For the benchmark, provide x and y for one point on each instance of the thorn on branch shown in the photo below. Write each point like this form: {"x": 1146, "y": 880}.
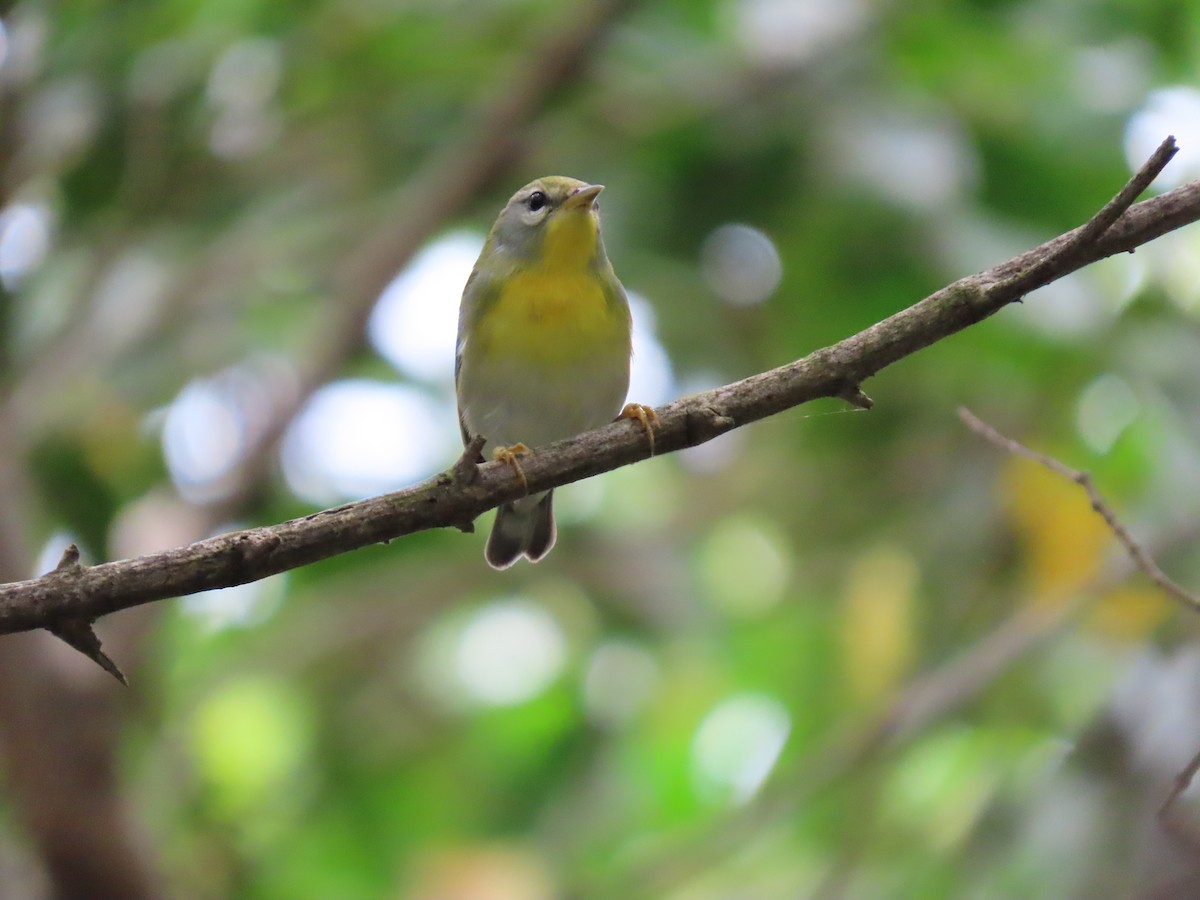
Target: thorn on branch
{"x": 70, "y": 559}
{"x": 854, "y": 395}
{"x": 77, "y": 632}
{"x": 1140, "y": 556}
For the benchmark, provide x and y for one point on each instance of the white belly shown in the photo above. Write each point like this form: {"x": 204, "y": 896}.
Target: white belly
{"x": 516, "y": 403}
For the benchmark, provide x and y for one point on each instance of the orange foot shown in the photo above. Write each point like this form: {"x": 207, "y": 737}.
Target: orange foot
{"x": 511, "y": 455}
{"x": 643, "y": 414}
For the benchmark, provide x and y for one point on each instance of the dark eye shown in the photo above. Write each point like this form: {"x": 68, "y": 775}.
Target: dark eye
{"x": 536, "y": 201}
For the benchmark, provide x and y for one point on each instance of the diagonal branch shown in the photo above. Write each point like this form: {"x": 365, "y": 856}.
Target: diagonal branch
{"x": 1166, "y": 810}
{"x": 455, "y": 500}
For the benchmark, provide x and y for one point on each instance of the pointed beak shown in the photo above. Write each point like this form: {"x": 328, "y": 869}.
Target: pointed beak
{"x": 584, "y": 197}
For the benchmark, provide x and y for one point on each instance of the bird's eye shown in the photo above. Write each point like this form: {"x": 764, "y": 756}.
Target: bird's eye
{"x": 536, "y": 201}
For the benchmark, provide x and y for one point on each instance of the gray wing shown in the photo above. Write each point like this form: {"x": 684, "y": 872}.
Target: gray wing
{"x": 479, "y": 295}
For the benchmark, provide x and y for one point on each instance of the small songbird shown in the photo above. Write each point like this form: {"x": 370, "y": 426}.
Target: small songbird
{"x": 543, "y": 345}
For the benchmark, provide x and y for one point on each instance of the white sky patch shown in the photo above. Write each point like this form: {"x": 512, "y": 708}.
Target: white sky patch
{"x": 357, "y": 438}
{"x": 1174, "y": 262}
{"x": 52, "y": 552}
{"x": 415, "y": 323}
{"x": 203, "y": 438}
{"x": 651, "y": 380}
{"x": 740, "y": 264}
{"x": 791, "y": 31}
{"x": 25, "y": 231}
{"x": 1066, "y": 308}
{"x": 920, "y": 161}
{"x": 1109, "y": 78}
{"x": 1169, "y": 110}
{"x": 210, "y": 424}
{"x": 236, "y": 607}
{"x": 509, "y": 652}
{"x": 738, "y": 743}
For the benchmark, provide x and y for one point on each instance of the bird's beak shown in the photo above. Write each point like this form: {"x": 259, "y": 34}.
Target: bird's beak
{"x": 584, "y": 197}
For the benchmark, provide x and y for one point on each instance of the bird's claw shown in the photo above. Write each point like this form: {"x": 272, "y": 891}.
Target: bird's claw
{"x": 645, "y": 415}
{"x": 511, "y": 455}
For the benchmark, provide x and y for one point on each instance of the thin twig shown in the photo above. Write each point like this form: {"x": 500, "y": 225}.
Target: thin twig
{"x": 1142, "y": 179}
{"x": 1183, "y": 781}
{"x": 1137, "y": 552}
{"x": 1101, "y": 222}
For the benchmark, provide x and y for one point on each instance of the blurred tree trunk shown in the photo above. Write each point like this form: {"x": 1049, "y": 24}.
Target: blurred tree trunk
{"x": 59, "y": 721}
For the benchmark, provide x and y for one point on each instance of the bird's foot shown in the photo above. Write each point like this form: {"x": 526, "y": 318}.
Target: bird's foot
{"x": 511, "y": 455}
{"x": 643, "y": 414}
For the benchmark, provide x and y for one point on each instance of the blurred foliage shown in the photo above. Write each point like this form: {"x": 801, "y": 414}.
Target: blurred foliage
{"x": 668, "y": 705}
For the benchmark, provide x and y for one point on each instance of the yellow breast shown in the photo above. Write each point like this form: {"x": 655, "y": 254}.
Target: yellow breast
{"x": 557, "y": 310}
{"x": 551, "y": 315}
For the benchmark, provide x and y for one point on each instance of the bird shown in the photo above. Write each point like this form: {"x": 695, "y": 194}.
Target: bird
{"x": 544, "y": 346}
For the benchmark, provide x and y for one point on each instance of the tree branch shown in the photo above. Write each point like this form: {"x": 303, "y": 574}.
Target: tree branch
{"x": 456, "y": 498}
{"x": 440, "y": 189}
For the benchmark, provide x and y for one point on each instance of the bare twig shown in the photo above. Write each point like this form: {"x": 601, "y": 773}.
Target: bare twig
{"x": 1136, "y": 551}
{"x": 239, "y": 557}
{"x": 1103, "y": 220}
{"x": 1166, "y": 816}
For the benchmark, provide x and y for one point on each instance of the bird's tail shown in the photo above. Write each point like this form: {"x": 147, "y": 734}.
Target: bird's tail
{"x": 527, "y": 531}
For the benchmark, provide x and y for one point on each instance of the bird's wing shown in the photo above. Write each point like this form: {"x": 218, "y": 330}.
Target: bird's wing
{"x": 479, "y": 295}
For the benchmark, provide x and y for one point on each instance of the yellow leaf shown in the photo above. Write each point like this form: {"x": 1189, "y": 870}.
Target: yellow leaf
{"x": 1129, "y": 613}
{"x": 876, "y": 622}
{"x": 1064, "y": 539}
